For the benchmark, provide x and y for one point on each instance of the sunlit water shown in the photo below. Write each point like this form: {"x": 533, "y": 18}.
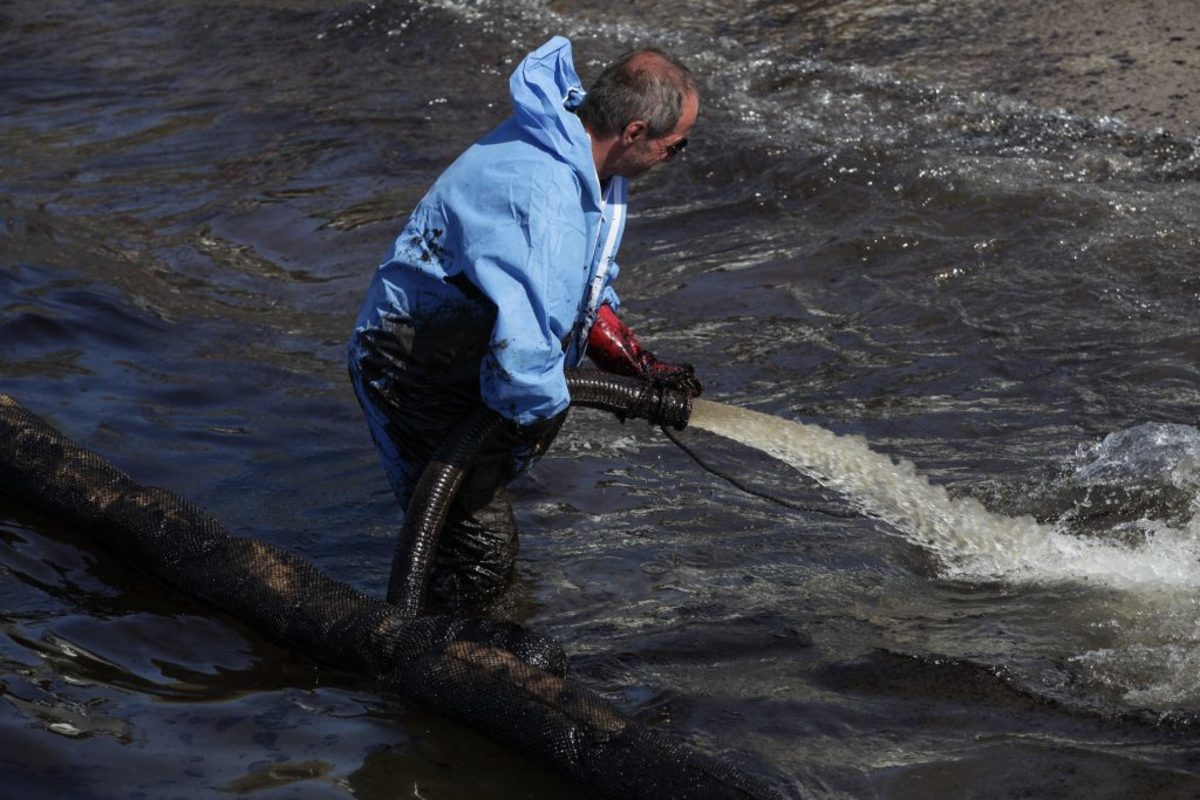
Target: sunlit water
{"x": 869, "y": 232}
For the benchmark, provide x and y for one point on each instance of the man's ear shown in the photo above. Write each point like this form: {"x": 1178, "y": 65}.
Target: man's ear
{"x": 633, "y": 131}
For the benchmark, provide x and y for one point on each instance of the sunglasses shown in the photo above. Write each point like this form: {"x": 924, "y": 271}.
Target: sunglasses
{"x": 673, "y": 150}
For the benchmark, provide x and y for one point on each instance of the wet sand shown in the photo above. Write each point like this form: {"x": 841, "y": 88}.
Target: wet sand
{"x": 1136, "y": 60}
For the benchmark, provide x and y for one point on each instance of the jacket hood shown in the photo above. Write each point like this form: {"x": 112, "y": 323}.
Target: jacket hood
{"x": 545, "y": 90}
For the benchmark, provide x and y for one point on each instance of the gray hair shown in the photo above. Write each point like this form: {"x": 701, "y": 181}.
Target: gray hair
{"x": 646, "y": 85}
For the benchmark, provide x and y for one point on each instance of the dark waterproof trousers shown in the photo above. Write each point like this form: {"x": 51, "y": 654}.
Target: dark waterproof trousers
{"x": 416, "y": 385}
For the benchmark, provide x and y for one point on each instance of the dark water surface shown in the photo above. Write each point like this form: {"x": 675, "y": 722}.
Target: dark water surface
{"x": 193, "y": 195}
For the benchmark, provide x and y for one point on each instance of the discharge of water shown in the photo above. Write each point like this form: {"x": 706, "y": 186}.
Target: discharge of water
{"x": 968, "y": 540}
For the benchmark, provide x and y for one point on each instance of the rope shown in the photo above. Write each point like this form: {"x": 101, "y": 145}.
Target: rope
{"x": 756, "y": 492}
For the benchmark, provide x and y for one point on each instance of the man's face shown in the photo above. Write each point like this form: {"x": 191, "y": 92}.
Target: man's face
{"x": 642, "y": 153}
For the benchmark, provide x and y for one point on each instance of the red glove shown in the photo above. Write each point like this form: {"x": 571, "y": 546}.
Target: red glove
{"x": 614, "y": 348}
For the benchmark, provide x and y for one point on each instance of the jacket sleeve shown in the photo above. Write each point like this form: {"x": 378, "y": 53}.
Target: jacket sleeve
{"x": 532, "y": 267}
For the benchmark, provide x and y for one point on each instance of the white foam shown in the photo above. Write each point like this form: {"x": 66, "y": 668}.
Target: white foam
{"x": 968, "y": 539}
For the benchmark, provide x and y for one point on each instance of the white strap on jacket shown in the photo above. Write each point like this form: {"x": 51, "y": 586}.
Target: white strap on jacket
{"x": 608, "y": 238}
{"x": 612, "y": 220}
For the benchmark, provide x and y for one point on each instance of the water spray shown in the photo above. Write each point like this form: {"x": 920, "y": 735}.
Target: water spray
{"x": 969, "y": 540}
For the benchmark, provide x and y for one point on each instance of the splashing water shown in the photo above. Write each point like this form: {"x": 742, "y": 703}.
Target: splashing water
{"x": 969, "y": 540}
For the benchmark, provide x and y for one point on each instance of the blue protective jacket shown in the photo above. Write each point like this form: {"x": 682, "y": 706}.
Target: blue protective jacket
{"x": 523, "y": 217}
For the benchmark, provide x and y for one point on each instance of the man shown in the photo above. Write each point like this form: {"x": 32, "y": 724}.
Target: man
{"x": 501, "y": 278}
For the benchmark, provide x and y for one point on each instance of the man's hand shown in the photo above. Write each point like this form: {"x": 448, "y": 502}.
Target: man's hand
{"x": 614, "y": 348}
{"x": 681, "y": 377}
{"x": 534, "y": 433}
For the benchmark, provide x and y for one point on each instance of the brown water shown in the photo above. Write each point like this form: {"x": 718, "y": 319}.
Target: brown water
{"x": 869, "y": 236}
